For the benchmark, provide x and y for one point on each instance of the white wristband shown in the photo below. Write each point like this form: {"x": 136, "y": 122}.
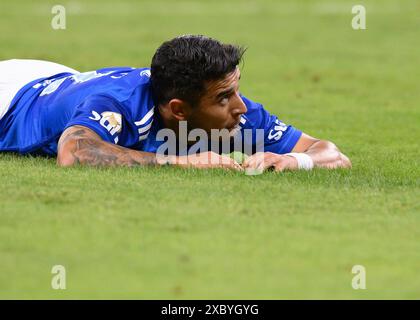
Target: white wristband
{"x": 304, "y": 161}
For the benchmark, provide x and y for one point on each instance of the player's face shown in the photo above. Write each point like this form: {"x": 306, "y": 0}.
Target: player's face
{"x": 221, "y": 107}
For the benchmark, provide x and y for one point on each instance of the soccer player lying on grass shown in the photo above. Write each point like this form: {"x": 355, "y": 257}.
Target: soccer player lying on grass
{"x": 114, "y": 116}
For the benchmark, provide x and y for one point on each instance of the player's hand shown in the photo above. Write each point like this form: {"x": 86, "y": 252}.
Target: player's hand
{"x": 207, "y": 160}
{"x": 261, "y": 161}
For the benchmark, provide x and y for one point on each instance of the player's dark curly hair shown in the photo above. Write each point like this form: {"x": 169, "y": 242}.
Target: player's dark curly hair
{"x": 182, "y": 66}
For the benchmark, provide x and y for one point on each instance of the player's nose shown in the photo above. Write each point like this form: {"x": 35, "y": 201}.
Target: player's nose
{"x": 239, "y": 107}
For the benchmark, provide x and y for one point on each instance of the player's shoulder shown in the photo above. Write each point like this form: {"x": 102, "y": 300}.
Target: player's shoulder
{"x": 255, "y": 112}
{"x": 139, "y": 98}
{"x": 258, "y": 117}
{"x": 128, "y": 86}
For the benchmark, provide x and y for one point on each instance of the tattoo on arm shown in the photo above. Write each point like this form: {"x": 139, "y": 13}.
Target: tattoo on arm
{"x": 80, "y": 145}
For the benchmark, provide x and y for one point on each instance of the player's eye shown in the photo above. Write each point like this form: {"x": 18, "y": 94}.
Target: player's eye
{"x": 224, "y": 100}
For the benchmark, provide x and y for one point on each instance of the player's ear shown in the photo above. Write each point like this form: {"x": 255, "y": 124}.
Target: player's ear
{"x": 180, "y": 109}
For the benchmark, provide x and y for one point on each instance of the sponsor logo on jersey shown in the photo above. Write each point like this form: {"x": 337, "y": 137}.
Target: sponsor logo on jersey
{"x": 278, "y": 130}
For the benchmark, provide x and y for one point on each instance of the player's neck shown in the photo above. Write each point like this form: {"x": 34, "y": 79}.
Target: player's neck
{"x": 169, "y": 122}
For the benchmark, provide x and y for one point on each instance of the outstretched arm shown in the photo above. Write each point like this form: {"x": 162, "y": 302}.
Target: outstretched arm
{"x": 80, "y": 145}
{"x": 324, "y": 154}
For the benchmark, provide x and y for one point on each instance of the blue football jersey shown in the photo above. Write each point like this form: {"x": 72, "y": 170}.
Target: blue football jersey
{"x": 117, "y": 104}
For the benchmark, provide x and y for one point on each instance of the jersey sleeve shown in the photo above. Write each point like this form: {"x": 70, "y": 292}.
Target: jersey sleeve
{"x": 102, "y": 114}
{"x": 277, "y": 136}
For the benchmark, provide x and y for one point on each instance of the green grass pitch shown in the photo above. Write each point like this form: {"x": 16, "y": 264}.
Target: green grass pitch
{"x": 179, "y": 234}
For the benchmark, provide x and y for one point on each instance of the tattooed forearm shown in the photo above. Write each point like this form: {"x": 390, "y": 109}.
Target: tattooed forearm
{"x": 99, "y": 153}
{"x": 80, "y": 145}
